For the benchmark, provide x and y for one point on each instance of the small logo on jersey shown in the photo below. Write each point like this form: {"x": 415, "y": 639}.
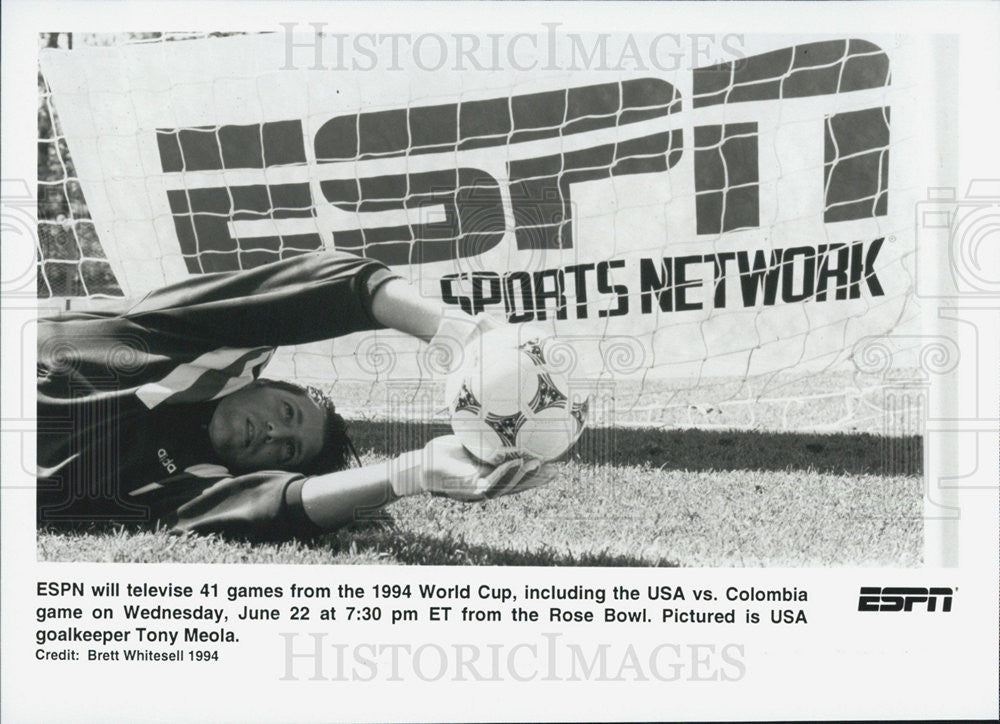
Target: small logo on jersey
{"x": 166, "y": 461}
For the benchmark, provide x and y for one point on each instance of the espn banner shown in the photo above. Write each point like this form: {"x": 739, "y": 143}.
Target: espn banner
{"x": 735, "y": 216}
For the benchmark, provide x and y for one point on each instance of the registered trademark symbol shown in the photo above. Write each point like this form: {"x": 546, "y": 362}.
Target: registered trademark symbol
{"x": 891, "y": 239}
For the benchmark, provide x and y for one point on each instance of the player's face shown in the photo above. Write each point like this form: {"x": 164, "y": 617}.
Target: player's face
{"x": 266, "y": 428}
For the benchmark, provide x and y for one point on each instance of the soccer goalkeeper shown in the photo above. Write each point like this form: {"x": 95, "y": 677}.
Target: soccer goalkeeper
{"x": 154, "y": 410}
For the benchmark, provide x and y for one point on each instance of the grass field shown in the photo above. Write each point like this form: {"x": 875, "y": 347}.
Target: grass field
{"x": 670, "y": 498}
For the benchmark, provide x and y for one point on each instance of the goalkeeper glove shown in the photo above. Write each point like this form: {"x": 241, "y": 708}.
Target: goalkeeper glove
{"x": 444, "y": 467}
{"x": 456, "y": 331}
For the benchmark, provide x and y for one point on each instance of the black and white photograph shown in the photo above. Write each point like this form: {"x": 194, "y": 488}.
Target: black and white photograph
{"x": 656, "y": 300}
{"x": 404, "y": 344}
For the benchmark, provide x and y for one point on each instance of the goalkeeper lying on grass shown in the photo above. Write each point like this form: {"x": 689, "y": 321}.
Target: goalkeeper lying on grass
{"x": 153, "y": 411}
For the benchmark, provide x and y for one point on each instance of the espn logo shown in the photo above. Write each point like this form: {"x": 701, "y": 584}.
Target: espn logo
{"x": 904, "y": 599}
{"x": 544, "y": 145}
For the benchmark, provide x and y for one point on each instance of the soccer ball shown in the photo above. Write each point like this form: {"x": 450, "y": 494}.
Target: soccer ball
{"x": 506, "y": 402}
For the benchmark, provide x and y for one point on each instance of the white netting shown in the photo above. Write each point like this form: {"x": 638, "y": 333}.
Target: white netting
{"x": 71, "y": 261}
{"x": 783, "y": 363}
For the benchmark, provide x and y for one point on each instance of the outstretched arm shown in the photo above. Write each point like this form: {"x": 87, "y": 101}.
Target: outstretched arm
{"x": 274, "y": 505}
{"x": 442, "y": 467}
{"x": 336, "y": 499}
{"x": 399, "y": 305}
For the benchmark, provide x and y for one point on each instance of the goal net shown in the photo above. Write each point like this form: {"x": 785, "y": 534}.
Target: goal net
{"x": 725, "y": 243}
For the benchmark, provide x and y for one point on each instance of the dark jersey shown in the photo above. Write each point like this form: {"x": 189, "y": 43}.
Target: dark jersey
{"x": 125, "y": 394}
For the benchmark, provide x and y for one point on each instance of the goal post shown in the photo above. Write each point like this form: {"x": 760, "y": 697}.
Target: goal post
{"x": 727, "y": 243}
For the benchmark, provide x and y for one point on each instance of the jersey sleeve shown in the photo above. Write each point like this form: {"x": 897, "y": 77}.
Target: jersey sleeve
{"x": 207, "y": 335}
{"x": 301, "y": 299}
{"x": 260, "y": 506}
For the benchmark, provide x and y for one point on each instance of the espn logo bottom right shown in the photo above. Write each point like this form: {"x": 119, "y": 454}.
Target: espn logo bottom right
{"x": 904, "y": 599}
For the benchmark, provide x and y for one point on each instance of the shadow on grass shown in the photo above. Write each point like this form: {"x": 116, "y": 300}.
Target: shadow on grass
{"x": 848, "y": 453}
{"x": 383, "y": 539}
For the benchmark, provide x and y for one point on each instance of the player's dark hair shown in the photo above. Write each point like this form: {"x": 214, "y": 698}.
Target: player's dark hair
{"x": 337, "y": 446}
